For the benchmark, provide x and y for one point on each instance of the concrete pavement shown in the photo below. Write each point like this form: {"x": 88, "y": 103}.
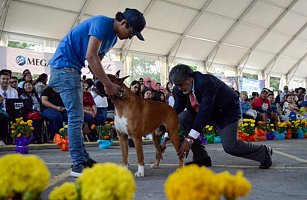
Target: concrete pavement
{"x": 285, "y": 180}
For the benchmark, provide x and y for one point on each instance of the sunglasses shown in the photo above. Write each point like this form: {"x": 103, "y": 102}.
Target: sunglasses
{"x": 13, "y": 81}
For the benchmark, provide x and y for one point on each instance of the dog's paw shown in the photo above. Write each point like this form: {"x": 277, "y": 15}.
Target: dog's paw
{"x": 155, "y": 166}
{"x": 140, "y": 172}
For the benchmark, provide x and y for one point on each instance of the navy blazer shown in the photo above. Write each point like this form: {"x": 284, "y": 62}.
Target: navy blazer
{"x": 219, "y": 104}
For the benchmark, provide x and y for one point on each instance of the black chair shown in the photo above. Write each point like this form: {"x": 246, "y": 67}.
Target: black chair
{"x": 17, "y": 107}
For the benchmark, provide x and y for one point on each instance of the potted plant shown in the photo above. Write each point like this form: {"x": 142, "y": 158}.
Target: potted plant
{"x": 105, "y": 134}
{"x": 261, "y": 131}
{"x": 209, "y": 134}
{"x": 282, "y": 128}
{"x": 61, "y": 138}
{"x": 270, "y": 132}
{"x": 21, "y": 131}
{"x": 247, "y": 130}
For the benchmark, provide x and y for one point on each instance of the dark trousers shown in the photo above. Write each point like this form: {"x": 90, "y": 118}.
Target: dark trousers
{"x": 55, "y": 119}
{"x": 230, "y": 141}
{"x": 4, "y": 123}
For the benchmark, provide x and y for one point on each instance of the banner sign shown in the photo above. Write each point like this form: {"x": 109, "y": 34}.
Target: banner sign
{"x": 231, "y": 81}
{"x": 251, "y": 85}
{"x": 17, "y": 60}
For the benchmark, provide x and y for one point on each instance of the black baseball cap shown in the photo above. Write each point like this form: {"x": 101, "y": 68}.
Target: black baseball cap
{"x": 136, "y": 20}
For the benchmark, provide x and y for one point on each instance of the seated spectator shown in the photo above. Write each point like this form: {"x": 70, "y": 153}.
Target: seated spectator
{"x": 158, "y": 87}
{"x": 263, "y": 106}
{"x": 275, "y": 106}
{"x": 14, "y": 82}
{"x": 148, "y": 95}
{"x": 4, "y": 121}
{"x": 135, "y": 87}
{"x": 289, "y": 107}
{"x": 101, "y": 103}
{"x": 154, "y": 93}
{"x": 34, "y": 114}
{"x": 90, "y": 111}
{"x": 142, "y": 90}
{"x": 26, "y": 76}
{"x": 41, "y": 84}
{"x": 161, "y": 96}
{"x": 245, "y": 105}
{"x": 303, "y": 109}
{"x": 53, "y": 110}
{"x": 6, "y": 92}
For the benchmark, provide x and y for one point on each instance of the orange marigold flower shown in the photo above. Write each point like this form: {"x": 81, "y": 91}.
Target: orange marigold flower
{"x": 93, "y": 126}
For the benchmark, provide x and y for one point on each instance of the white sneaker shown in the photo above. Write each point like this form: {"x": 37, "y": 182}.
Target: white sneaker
{"x": 2, "y": 143}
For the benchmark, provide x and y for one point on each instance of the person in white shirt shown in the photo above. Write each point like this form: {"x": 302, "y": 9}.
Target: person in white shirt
{"x": 6, "y": 92}
{"x": 101, "y": 103}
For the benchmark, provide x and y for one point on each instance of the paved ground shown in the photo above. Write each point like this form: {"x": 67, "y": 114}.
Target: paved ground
{"x": 285, "y": 180}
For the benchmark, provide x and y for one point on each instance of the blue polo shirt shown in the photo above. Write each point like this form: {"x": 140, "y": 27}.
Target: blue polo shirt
{"x": 71, "y": 51}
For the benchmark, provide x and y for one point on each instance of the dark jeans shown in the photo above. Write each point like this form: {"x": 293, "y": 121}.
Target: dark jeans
{"x": 55, "y": 119}
{"x": 4, "y": 123}
{"x": 101, "y": 116}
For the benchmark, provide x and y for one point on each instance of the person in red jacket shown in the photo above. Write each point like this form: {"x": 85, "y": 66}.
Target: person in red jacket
{"x": 262, "y": 105}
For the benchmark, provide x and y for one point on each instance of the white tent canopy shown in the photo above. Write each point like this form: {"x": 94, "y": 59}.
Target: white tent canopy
{"x": 264, "y": 35}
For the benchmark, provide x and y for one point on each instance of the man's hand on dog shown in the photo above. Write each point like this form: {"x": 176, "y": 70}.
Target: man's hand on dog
{"x": 184, "y": 150}
{"x": 112, "y": 89}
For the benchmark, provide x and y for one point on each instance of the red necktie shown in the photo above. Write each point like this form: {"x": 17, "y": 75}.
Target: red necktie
{"x": 194, "y": 102}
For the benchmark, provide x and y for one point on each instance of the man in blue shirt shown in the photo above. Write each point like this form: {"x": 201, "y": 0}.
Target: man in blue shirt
{"x": 90, "y": 40}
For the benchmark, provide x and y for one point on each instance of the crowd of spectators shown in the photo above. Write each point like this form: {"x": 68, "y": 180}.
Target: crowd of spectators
{"x": 48, "y": 108}
{"x": 285, "y": 106}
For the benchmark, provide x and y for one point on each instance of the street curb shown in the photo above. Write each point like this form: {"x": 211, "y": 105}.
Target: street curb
{"x": 53, "y": 146}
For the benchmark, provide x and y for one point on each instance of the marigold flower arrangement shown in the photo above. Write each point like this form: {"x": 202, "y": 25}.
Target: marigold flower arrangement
{"x": 21, "y": 127}
{"x": 61, "y": 138}
{"x": 67, "y": 191}
{"x": 209, "y": 133}
{"x": 102, "y": 181}
{"x": 104, "y": 132}
{"x": 282, "y": 127}
{"x": 204, "y": 184}
{"x": 247, "y": 126}
{"x": 22, "y": 177}
{"x": 64, "y": 131}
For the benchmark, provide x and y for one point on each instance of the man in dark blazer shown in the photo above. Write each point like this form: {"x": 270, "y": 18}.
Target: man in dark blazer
{"x": 209, "y": 101}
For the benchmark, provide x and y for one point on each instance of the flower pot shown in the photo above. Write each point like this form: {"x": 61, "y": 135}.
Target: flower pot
{"x": 64, "y": 147}
{"x": 203, "y": 139}
{"x": 217, "y": 139}
{"x": 288, "y": 134}
{"x": 104, "y": 144}
{"x": 280, "y": 136}
{"x": 22, "y": 140}
{"x": 300, "y": 134}
{"x": 22, "y": 149}
{"x": 270, "y": 136}
{"x": 210, "y": 138}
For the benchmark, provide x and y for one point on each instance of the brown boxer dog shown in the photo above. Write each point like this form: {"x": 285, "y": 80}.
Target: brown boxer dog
{"x": 137, "y": 117}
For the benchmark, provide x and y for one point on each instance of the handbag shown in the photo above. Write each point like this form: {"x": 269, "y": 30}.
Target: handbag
{"x": 34, "y": 115}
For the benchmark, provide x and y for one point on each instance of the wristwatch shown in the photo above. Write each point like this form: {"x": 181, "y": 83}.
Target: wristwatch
{"x": 189, "y": 140}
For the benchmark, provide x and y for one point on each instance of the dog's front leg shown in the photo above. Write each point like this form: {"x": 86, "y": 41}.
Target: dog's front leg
{"x": 140, "y": 156}
{"x": 123, "y": 142}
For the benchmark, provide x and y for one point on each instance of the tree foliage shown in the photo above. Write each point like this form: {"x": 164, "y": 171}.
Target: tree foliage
{"x": 143, "y": 68}
{"x": 19, "y": 45}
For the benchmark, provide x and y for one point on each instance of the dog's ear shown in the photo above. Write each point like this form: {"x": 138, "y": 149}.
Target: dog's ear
{"x": 117, "y": 73}
{"x": 121, "y": 80}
